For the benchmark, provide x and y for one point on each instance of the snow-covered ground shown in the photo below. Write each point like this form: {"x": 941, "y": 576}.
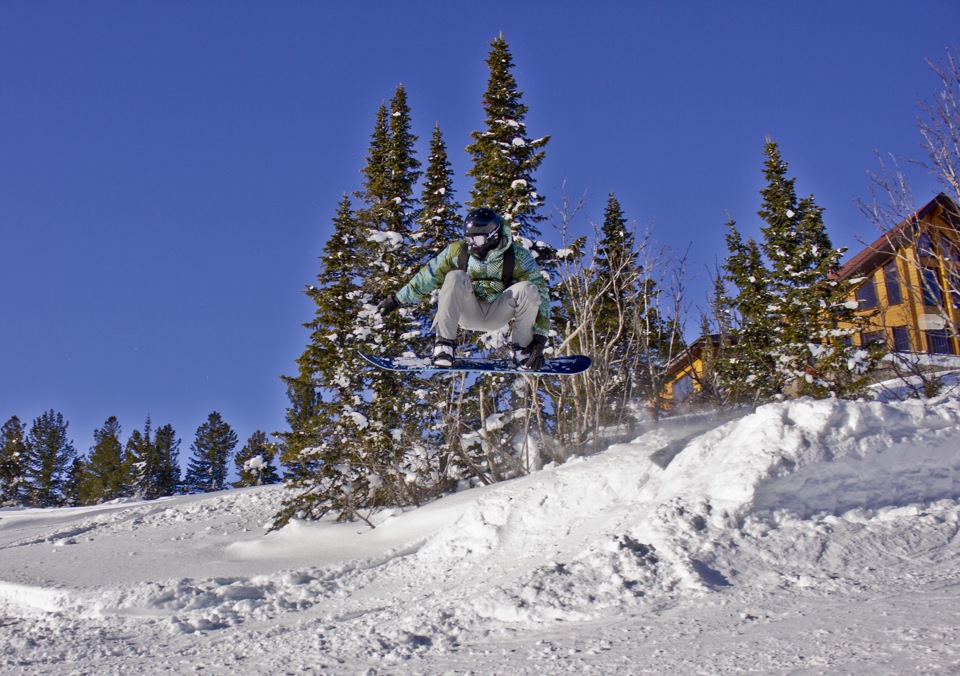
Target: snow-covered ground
{"x": 807, "y": 538}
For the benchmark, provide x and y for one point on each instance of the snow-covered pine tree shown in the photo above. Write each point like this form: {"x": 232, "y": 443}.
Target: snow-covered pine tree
{"x": 163, "y": 465}
{"x": 13, "y": 454}
{"x": 750, "y": 372}
{"x": 350, "y": 426}
{"x": 790, "y": 306}
{"x": 445, "y": 408}
{"x": 104, "y": 476}
{"x": 615, "y": 286}
{"x": 255, "y": 462}
{"x": 135, "y": 450}
{"x": 439, "y": 219}
{"x": 49, "y": 456}
{"x": 322, "y": 449}
{"x": 212, "y": 449}
{"x": 394, "y": 416}
{"x": 504, "y": 156}
{"x": 505, "y": 159}
{"x": 809, "y": 301}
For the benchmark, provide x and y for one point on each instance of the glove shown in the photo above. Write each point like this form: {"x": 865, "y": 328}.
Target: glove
{"x": 388, "y": 305}
{"x": 535, "y": 361}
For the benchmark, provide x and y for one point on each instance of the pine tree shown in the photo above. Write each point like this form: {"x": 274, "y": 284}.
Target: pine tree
{"x": 13, "y": 454}
{"x": 439, "y": 217}
{"x": 750, "y": 372}
{"x": 504, "y": 160}
{"x": 443, "y": 408}
{"x": 137, "y": 451}
{"x": 615, "y": 285}
{"x": 791, "y": 308}
{"x": 153, "y": 464}
{"x": 163, "y": 465}
{"x": 392, "y": 416}
{"x": 321, "y": 450}
{"x": 504, "y": 156}
{"x": 212, "y": 449}
{"x": 255, "y": 462}
{"x": 718, "y": 348}
{"x": 49, "y": 457}
{"x": 71, "y": 485}
{"x": 104, "y": 475}
{"x": 810, "y": 302}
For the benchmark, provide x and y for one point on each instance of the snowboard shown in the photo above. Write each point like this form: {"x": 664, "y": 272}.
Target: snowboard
{"x": 552, "y": 366}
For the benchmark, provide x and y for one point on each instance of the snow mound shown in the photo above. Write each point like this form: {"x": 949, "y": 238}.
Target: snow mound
{"x": 641, "y": 519}
{"x": 824, "y": 496}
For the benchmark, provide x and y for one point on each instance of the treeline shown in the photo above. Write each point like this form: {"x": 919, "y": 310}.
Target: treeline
{"x": 360, "y": 439}
{"x": 40, "y": 466}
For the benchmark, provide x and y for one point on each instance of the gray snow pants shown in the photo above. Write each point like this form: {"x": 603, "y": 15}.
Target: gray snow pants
{"x": 459, "y": 307}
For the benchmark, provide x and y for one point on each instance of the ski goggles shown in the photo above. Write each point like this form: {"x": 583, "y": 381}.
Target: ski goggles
{"x": 479, "y": 240}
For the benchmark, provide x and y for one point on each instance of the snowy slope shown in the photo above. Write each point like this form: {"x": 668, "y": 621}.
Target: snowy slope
{"x": 808, "y": 537}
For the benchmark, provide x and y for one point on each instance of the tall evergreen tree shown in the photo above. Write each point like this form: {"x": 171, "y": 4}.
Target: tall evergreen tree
{"x": 137, "y": 451}
{"x": 104, "y": 475}
{"x": 505, "y": 157}
{"x": 13, "y": 455}
{"x": 50, "y": 455}
{"x": 504, "y": 160}
{"x": 439, "y": 218}
{"x": 164, "y": 464}
{"x": 153, "y": 462}
{"x": 255, "y": 462}
{"x": 329, "y": 368}
{"x": 321, "y": 449}
{"x": 750, "y": 372}
{"x": 71, "y": 485}
{"x": 212, "y": 449}
{"x": 440, "y": 223}
{"x": 615, "y": 285}
{"x": 791, "y": 310}
{"x": 392, "y": 417}
{"x": 812, "y": 303}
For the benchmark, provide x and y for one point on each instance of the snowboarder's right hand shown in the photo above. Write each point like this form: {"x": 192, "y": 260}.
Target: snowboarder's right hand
{"x": 388, "y": 305}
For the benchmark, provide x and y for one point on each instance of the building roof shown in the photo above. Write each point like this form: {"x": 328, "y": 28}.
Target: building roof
{"x": 884, "y": 247}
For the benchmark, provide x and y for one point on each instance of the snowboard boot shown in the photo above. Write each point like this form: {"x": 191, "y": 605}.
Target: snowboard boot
{"x": 443, "y": 353}
{"x": 530, "y": 358}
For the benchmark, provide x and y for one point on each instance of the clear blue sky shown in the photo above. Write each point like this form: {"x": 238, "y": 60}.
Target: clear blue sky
{"x": 169, "y": 170}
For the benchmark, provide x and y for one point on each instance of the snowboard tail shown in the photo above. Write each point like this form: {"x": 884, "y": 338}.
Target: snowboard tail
{"x": 553, "y": 366}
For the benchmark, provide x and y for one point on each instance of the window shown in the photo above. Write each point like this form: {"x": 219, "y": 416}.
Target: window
{"x": 901, "y": 339}
{"x": 932, "y": 289}
{"x": 871, "y": 337}
{"x": 867, "y": 295}
{"x": 939, "y": 342}
{"x": 952, "y": 251}
{"x": 683, "y": 388}
{"x": 925, "y": 245}
{"x": 891, "y": 279}
{"x": 954, "y": 294}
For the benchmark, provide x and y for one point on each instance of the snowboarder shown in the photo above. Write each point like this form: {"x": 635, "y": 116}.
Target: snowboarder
{"x": 485, "y": 281}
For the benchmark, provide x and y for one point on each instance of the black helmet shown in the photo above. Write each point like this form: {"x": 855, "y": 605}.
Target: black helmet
{"x": 483, "y": 231}
{"x": 482, "y": 221}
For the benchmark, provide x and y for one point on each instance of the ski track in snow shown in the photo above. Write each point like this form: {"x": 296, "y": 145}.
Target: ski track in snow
{"x": 807, "y": 537}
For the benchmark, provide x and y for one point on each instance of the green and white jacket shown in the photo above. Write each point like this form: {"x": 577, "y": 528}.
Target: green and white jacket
{"x": 486, "y": 274}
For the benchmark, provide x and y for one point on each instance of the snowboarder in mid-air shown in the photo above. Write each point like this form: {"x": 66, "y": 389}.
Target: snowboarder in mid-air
{"x": 485, "y": 280}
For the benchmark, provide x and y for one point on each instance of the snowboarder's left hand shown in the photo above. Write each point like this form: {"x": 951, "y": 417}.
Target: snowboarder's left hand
{"x": 388, "y": 305}
{"x": 535, "y": 360}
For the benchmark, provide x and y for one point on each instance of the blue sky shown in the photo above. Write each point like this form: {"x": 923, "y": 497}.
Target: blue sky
{"x": 169, "y": 170}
